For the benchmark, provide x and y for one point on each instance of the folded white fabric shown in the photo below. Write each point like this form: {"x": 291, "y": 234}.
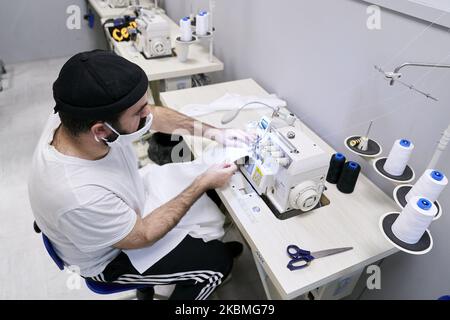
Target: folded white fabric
{"x": 203, "y": 220}
{"x": 231, "y": 102}
{"x": 214, "y": 154}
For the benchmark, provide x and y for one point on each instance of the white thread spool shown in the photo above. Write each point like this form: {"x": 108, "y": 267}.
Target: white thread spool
{"x": 185, "y": 29}
{"x": 398, "y": 157}
{"x": 202, "y": 23}
{"x": 414, "y": 220}
{"x": 207, "y": 20}
{"x": 430, "y": 185}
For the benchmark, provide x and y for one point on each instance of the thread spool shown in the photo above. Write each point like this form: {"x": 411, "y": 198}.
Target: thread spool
{"x": 414, "y": 220}
{"x": 337, "y": 162}
{"x": 363, "y": 143}
{"x": 363, "y": 146}
{"x": 185, "y": 29}
{"x": 354, "y": 142}
{"x": 202, "y": 23}
{"x": 348, "y": 178}
{"x": 398, "y": 157}
{"x": 429, "y": 185}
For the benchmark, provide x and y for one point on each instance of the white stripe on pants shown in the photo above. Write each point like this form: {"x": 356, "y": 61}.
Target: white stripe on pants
{"x": 211, "y": 278}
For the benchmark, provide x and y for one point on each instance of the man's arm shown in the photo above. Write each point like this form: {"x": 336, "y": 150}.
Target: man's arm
{"x": 167, "y": 120}
{"x": 158, "y": 223}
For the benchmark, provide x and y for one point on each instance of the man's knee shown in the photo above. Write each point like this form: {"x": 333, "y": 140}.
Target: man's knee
{"x": 220, "y": 258}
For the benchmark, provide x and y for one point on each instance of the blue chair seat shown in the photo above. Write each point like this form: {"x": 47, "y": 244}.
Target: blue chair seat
{"x": 95, "y": 286}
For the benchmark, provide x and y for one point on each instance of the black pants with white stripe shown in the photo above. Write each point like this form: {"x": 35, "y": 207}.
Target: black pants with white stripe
{"x": 196, "y": 268}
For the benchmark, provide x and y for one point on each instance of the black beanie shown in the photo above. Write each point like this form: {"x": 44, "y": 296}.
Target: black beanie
{"x": 98, "y": 83}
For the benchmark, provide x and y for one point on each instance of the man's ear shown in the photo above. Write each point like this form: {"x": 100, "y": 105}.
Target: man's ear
{"x": 100, "y": 130}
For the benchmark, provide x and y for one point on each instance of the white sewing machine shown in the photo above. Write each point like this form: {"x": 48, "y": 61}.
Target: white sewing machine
{"x": 153, "y": 35}
{"x": 287, "y": 169}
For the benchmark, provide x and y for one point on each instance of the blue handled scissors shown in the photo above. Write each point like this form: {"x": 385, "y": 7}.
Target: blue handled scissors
{"x": 302, "y": 258}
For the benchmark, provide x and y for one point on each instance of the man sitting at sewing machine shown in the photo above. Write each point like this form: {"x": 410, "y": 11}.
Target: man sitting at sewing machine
{"x": 87, "y": 194}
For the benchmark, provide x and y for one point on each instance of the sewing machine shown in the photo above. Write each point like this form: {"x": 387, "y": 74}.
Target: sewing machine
{"x": 287, "y": 169}
{"x": 153, "y": 35}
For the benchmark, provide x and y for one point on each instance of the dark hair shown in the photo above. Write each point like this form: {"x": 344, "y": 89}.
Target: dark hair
{"x": 75, "y": 125}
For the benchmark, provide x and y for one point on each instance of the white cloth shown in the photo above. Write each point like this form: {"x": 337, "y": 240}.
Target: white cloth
{"x": 84, "y": 207}
{"x": 203, "y": 220}
{"x": 231, "y": 102}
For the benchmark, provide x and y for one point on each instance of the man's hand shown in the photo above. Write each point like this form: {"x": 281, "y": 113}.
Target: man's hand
{"x": 217, "y": 176}
{"x": 230, "y": 137}
{"x": 161, "y": 220}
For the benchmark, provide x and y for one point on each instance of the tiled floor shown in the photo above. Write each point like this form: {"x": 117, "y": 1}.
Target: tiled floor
{"x": 26, "y": 271}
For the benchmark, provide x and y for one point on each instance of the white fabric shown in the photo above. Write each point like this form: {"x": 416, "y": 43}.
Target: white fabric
{"x": 203, "y": 220}
{"x": 231, "y": 102}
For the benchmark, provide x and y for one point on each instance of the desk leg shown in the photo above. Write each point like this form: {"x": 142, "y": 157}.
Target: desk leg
{"x": 338, "y": 289}
{"x": 154, "y": 87}
{"x": 262, "y": 276}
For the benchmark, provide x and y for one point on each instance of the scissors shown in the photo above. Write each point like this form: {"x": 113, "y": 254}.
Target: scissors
{"x": 302, "y": 258}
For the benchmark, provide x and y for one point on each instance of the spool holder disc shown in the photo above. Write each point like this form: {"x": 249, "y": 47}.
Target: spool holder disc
{"x": 208, "y": 35}
{"x": 193, "y": 39}
{"x": 373, "y": 147}
{"x": 407, "y": 176}
{"x": 424, "y": 245}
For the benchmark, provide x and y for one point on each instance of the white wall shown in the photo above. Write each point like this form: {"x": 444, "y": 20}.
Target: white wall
{"x": 34, "y": 30}
{"x": 319, "y": 56}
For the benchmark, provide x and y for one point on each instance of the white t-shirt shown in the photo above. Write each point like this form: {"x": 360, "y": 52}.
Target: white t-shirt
{"x": 85, "y": 206}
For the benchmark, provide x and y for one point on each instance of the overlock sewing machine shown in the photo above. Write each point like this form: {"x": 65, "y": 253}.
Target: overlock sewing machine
{"x": 286, "y": 168}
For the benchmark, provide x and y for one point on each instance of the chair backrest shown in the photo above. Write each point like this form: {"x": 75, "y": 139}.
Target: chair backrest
{"x": 51, "y": 251}
{"x": 49, "y": 247}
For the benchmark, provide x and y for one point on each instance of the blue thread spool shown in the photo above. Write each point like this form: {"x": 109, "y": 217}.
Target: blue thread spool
{"x": 424, "y": 204}
{"x": 336, "y": 165}
{"x": 348, "y": 178}
{"x": 405, "y": 143}
{"x": 436, "y": 175}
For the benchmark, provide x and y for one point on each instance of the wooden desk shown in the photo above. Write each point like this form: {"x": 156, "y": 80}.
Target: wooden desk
{"x": 349, "y": 220}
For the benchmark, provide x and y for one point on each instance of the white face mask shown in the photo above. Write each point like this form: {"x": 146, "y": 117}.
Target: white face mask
{"x": 127, "y": 139}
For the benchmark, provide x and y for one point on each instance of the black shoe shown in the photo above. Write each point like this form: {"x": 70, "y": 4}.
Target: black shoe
{"x": 235, "y": 248}
{"x": 145, "y": 293}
